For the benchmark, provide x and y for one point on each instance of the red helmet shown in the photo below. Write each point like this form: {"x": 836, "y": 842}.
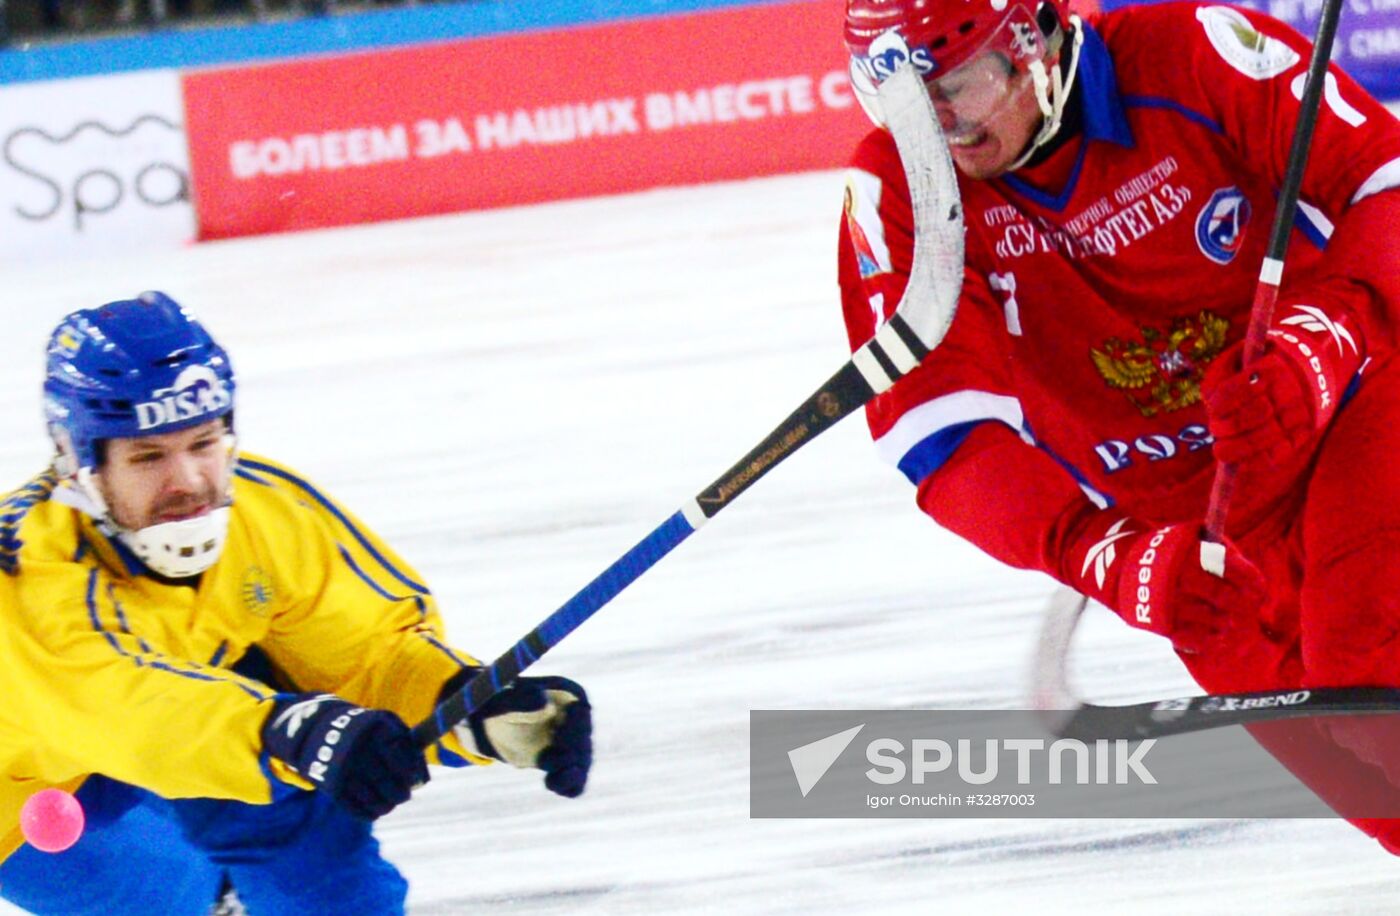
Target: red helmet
{"x": 940, "y": 34}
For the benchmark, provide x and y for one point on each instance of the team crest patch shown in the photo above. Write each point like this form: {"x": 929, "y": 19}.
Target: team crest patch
{"x": 1221, "y": 225}
{"x": 257, "y": 591}
{"x": 1162, "y": 372}
{"x": 1244, "y": 47}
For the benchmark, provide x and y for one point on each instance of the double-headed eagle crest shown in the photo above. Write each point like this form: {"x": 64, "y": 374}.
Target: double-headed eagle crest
{"x": 1162, "y": 372}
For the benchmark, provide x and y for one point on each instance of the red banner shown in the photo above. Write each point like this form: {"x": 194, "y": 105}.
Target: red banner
{"x": 520, "y": 119}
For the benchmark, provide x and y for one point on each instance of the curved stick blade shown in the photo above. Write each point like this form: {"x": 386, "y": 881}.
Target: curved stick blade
{"x": 930, "y": 298}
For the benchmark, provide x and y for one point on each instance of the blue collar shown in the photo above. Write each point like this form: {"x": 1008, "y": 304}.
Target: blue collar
{"x": 1098, "y": 92}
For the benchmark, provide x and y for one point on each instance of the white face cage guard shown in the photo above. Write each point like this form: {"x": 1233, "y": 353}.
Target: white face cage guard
{"x": 180, "y": 549}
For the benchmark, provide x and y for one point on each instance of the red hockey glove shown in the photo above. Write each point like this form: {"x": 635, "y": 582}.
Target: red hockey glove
{"x": 1278, "y": 406}
{"x": 1165, "y": 579}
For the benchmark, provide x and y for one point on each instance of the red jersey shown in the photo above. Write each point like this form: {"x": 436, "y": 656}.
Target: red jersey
{"x": 1101, "y": 283}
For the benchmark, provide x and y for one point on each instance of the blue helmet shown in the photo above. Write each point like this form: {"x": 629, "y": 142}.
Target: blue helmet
{"x": 137, "y": 367}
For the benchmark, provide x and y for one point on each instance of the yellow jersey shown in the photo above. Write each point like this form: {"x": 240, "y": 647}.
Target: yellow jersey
{"x": 105, "y": 668}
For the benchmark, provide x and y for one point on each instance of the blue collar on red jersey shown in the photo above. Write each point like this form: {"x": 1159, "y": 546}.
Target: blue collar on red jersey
{"x": 1098, "y": 91}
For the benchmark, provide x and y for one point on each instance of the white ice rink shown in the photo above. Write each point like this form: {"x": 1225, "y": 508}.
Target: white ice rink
{"x": 513, "y": 399}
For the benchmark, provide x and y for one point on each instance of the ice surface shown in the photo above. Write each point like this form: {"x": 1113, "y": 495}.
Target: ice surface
{"x": 514, "y": 398}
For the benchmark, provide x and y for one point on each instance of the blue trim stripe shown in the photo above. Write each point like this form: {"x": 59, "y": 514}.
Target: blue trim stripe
{"x": 355, "y": 568}
{"x": 1352, "y": 388}
{"x": 117, "y": 606}
{"x": 1070, "y": 469}
{"x": 449, "y": 758}
{"x": 338, "y": 34}
{"x": 933, "y": 451}
{"x": 133, "y": 564}
{"x": 155, "y": 663}
{"x": 15, "y": 507}
{"x": 447, "y": 650}
{"x": 1311, "y": 231}
{"x": 1052, "y": 202}
{"x": 334, "y": 510}
{"x": 418, "y": 601}
{"x": 1152, "y": 101}
{"x": 96, "y": 619}
{"x": 219, "y": 654}
{"x": 249, "y": 475}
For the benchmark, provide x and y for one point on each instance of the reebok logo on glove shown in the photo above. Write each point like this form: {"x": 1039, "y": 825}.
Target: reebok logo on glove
{"x": 291, "y": 718}
{"x": 318, "y": 768}
{"x": 1144, "y": 590}
{"x": 1170, "y": 581}
{"x": 1272, "y": 411}
{"x": 1102, "y": 554}
{"x": 366, "y": 759}
{"x": 1313, "y": 318}
{"x": 1321, "y": 389}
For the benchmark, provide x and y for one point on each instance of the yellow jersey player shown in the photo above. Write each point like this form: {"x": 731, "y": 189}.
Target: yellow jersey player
{"x": 147, "y": 562}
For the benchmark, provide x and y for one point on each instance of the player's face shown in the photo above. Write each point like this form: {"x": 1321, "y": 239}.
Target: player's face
{"x": 988, "y": 111}
{"x": 169, "y": 477}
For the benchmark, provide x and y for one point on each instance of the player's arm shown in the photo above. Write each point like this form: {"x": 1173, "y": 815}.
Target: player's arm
{"x": 102, "y": 695}
{"x": 100, "y": 698}
{"x": 1017, "y": 503}
{"x": 370, "y": 631}
{"x": 1334, "y": 314}
{"x": 362, "y": 625}
{"x": 955, "y": 429}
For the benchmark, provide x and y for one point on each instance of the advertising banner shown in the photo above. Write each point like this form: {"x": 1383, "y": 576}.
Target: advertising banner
{"x": 93, "y": 165}
{"x": 521, "y": 118}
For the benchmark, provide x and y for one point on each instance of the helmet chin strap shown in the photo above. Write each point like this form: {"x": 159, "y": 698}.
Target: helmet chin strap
{"x": 1052, "y": 91}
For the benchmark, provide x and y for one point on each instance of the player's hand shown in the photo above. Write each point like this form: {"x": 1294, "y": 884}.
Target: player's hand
{"x": 1275, "y": 409}
{"x": 542, "y": 723}
{"x": 366, "y": 759}
{"x": 1167, "y": 579}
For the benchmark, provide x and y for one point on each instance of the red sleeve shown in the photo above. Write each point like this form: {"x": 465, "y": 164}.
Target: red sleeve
{"x": 1010, "y": 499}
{"x": 965, "y": 380}
{"x": 953, "y": 426}
{"x": 1244, "y": 72}
{"x": 1357, "y": 280}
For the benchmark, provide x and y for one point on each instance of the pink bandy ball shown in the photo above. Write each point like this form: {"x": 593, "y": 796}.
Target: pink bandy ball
{"x": 51, "y": 820}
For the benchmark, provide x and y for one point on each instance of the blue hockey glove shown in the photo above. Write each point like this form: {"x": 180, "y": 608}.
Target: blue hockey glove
{"x": 543, "y": 723}
{"x": 365, "y": 759}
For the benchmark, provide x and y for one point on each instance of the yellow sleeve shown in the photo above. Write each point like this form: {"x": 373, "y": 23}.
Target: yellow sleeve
{"x": 366, "y": 628}
{"x": 102, "y": 697}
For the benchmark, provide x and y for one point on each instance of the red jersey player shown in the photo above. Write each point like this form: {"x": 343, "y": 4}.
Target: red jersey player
{"x": 1118, "y": 176}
